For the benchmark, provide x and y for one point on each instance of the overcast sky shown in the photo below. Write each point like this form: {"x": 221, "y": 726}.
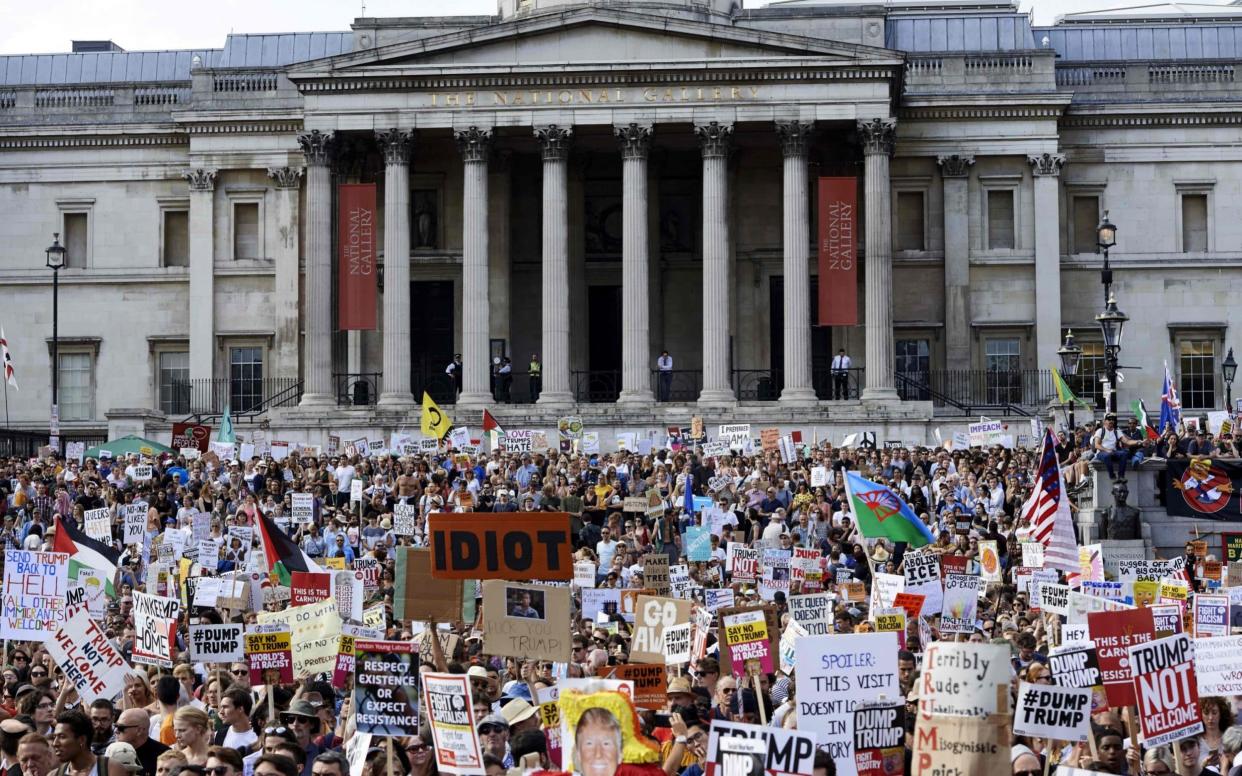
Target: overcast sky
{"x": 44, "y": 26}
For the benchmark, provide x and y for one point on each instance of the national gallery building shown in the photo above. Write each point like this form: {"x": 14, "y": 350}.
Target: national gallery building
{"x": 634, "y": 211}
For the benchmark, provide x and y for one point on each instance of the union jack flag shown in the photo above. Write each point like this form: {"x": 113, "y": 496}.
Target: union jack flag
{"x": 7, "y": 358}
{"x": 1048, "y": 515}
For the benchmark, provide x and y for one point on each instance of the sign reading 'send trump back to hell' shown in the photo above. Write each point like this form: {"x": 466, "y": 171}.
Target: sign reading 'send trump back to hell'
{"x": 526, "y": 546}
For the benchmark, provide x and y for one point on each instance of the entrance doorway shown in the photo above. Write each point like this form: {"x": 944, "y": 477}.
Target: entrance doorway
{"x": 603, "y": 382}
{"x": 821, "y": 339}
{"x": 431, "y": 339}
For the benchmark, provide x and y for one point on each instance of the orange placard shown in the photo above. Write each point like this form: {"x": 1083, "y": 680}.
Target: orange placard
{"x": 504, "y": 545}
{"x": 650, "y": 682}
{"x": 911, "y": 602}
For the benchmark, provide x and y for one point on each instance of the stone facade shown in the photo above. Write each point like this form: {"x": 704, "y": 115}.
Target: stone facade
{"x": 595, "y": 184}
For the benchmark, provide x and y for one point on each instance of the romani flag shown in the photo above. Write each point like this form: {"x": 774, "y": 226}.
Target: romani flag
{"x": 1140, "y": 412}
{"x": 284, "y": 556}
{"x": 880, "y": 513}
{"x": 85, "y": 552}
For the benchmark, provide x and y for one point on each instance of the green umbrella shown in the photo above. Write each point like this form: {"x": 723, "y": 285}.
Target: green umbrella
{"x": 129, "y": 444}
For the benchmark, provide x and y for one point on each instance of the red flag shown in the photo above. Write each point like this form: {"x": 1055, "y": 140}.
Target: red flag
{"x": 490, "y": 424}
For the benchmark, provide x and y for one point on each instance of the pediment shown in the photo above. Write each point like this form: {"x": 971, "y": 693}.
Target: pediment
{"x": 591, "y": 36}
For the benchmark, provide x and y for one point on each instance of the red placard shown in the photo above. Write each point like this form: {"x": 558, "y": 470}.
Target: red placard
{"x": 309, "y": 587}
{"x": 191, "y": 435}
{"x": 1114, "y": 633}
{"x": 356, "y": 237}
{"x": 952, "y": 564}
{"x": 838, "y": 255}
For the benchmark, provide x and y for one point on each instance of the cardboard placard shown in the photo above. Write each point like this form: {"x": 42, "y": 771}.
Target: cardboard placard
{"x": 963, "y": 746}
{"x": 512, "y": 546}
{"x": 783, "y": 752}
{"x": 524, "y": 620}
{"x": 964, "y": 678}
{"x": 417, "y": 595}
{"x": 652, "y": 615}
{"x": 35, "y": 587}
{"x": 656, "y": 572}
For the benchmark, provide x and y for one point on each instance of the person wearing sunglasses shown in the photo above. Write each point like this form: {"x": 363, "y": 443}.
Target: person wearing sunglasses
{"x": 494, "y": 737}
{"x": 240, "y": 673}
{"x": 420, "y": 753}
{"x": 1027, "y": 763}
{"x": 134, "y": 728}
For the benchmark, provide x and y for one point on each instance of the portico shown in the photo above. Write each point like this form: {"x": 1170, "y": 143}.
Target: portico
{"x": 785, "y": 105}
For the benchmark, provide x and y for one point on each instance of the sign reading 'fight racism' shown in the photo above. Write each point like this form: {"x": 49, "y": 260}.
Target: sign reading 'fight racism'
{"x": 501, "y": 546}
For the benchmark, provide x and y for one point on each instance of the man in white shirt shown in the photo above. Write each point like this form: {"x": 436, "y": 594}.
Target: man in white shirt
{"x": 605, "y": 549}
{"x": 344, "y": 474}
{"x": 665, "y": 364}
{"x": 841, "y": 375}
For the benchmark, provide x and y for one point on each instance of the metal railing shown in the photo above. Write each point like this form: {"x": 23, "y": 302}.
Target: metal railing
{"x": 973, "y": 390}
{"x": 595, "y": 386}
{"x": 359, "y": 389}
{"x": 684, "y": 385}
{"x": 757, "y": 384}
{"x": 26, "y": 444}
{"x": 430, "y": 377}
{"x": 828, "y": 387}
{"x": 244, "y": 398}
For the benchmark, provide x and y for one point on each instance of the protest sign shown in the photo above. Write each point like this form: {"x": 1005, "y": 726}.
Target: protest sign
{"x": 652, "y": 616}
{"x": 94, "y": 590}
{"x": 650, "y": 682}
{"x": 961, "y": 678}
{"x": 1114, "y": 633}
{"x": 348, "y": 591}
{"x": 743, "y": 562}
{"x": 885, "y": 587}
{"x": 736, "y": 434}
{"x": 835, "y": 674}
{"x": 912, "y": 603}
{"x": 270, "y": 657}
{"x": 417, "y": 595}
{"x": 216, "y": 643}
{"x": 698, "y": 541}
{"x": 386, "y": 688}
{"x": 677, "y": 644}
{"x": 961, "y": 600}
{"x": 629, "y": 601}
{"x": 879, "y": 738}
{"x": 142, "y": 473}
{"x": 90, "y": 662}
{"x": 656, "y": 572}
{"x": 962, "y": 746}
{"x": 525, "y": 620}
{"x": 1075, "y": 668}
{"x": 891, "y": 621}
{"x": 1166, "y": 690}
{"x": 1217, "y": 667}
{"x": 749, "y": 640}
{"x": 35, "y": 587}
{"x": 1053, "y": 597}
{"x": 155, "y": 623}
{"x": 309, "y": 587}
{"x": 717, "y": 598}
{"x": 303, "y": 508}
{"x": 1032, "y": 555}
{"x": 989, "y": 561}
{"x": 451, "y": 715}
{"x": 597, "y": 600}
{"x": 1211, "y": 615}
{"x": 99, "y": 524}
{"x": 526, "y": 546}
{"x": 134, "y": 520}
{"x": 985, "y": 433}
{"x": 922, "y": 576}
{"x": 405, "y": 519}
{"x": 813, "y": 611}
{"x": 1061, "y": 713}
{"x": 316, "y": 630}
{"x": 584, "y": 574}
{"x": 782, "y": 752}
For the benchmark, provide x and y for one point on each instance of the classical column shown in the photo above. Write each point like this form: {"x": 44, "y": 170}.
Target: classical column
{"x": 796, "y": 235}
{"x": 955, "y": 175}
{"x": 396, "y": 145}
{"x": 714, "y": 140}
{"x": 288, "y": 182}
{"x": 1046, "y": 169}
{"x": 202, "y": 283}
{"x": 317, "y": 341}
{"x": 554, "y": 145}
{"x": 474, "y": 143}
{"x": 635, "y": 313}
{"x": 877, "y": 138}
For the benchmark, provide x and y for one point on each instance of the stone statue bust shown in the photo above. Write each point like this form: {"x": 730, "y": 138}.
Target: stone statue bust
{"x": 1121, "y": 520}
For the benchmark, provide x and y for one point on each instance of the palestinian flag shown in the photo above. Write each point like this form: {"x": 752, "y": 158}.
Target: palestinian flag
{"x": 85, "y": 552}
{"x": 284, "y": 556}
{"x": 492, "y": 429}
{"x": 1140, "y": 412}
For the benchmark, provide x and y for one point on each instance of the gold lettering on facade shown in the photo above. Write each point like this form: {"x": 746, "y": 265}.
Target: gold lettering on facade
{"x": 667, "y": 94}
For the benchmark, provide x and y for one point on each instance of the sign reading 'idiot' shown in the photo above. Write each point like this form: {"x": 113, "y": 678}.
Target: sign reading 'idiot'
{"x": 501, "y": 546}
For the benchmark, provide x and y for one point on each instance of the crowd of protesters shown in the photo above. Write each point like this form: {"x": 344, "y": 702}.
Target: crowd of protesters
{"x": 208, "y": 721}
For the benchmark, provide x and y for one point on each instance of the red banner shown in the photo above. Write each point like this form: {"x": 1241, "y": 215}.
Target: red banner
{"x": 838, "y": 252}
{"x": 191, "y": 435}
{"x": 356, "y": 235}
{"x": 1114, "y": 633}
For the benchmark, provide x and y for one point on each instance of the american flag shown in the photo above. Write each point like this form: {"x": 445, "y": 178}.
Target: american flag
{"x": 1047, "y": 512}
{"x": 7, "y": 359}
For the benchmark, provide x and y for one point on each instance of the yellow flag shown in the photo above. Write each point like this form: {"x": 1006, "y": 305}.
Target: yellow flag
{"x": 435, "y": 422}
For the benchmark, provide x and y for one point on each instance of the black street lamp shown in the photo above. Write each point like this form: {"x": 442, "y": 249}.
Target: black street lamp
{"x": 1105, "y": 238}
{"x": 1112, "y": 324}
{"x": 1070, "y": 354}
{"x": 56, "y": 254}
{"x": 1229, "y": 369}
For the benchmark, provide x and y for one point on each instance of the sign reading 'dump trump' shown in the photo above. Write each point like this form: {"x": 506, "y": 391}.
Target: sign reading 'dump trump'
{"x": 505, "y": 545}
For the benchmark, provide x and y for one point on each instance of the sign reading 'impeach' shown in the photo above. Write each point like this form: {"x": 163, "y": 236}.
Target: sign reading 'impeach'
{"x": 504, "y": 545}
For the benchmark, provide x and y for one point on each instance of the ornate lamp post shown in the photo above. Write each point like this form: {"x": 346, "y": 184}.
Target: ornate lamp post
{"x": 1229, "y": 370}
{"x": 56, "y": 255}
{"x": 1070, "y": 354}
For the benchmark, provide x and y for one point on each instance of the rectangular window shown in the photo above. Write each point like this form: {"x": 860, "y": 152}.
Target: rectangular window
{"x": 75, "y": 391}
{"x": 1000, "y": 219}
{"x": 245, "y": 378}
{"x": 176, "y": 248}
{"x": 914, "y": 364}
{"x": 174, "y": 379}
{"x": 1194, "y": 223}
{"x": 1197, "y": 359}
{"x": 910, "y": 228}
{"x": 1003, "y": 363}
{"x": 246, "y": 230}
{"x": 77, "y": 239}
{"x": 1086, "y": 384}
{"x": 1086, "y": 217}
